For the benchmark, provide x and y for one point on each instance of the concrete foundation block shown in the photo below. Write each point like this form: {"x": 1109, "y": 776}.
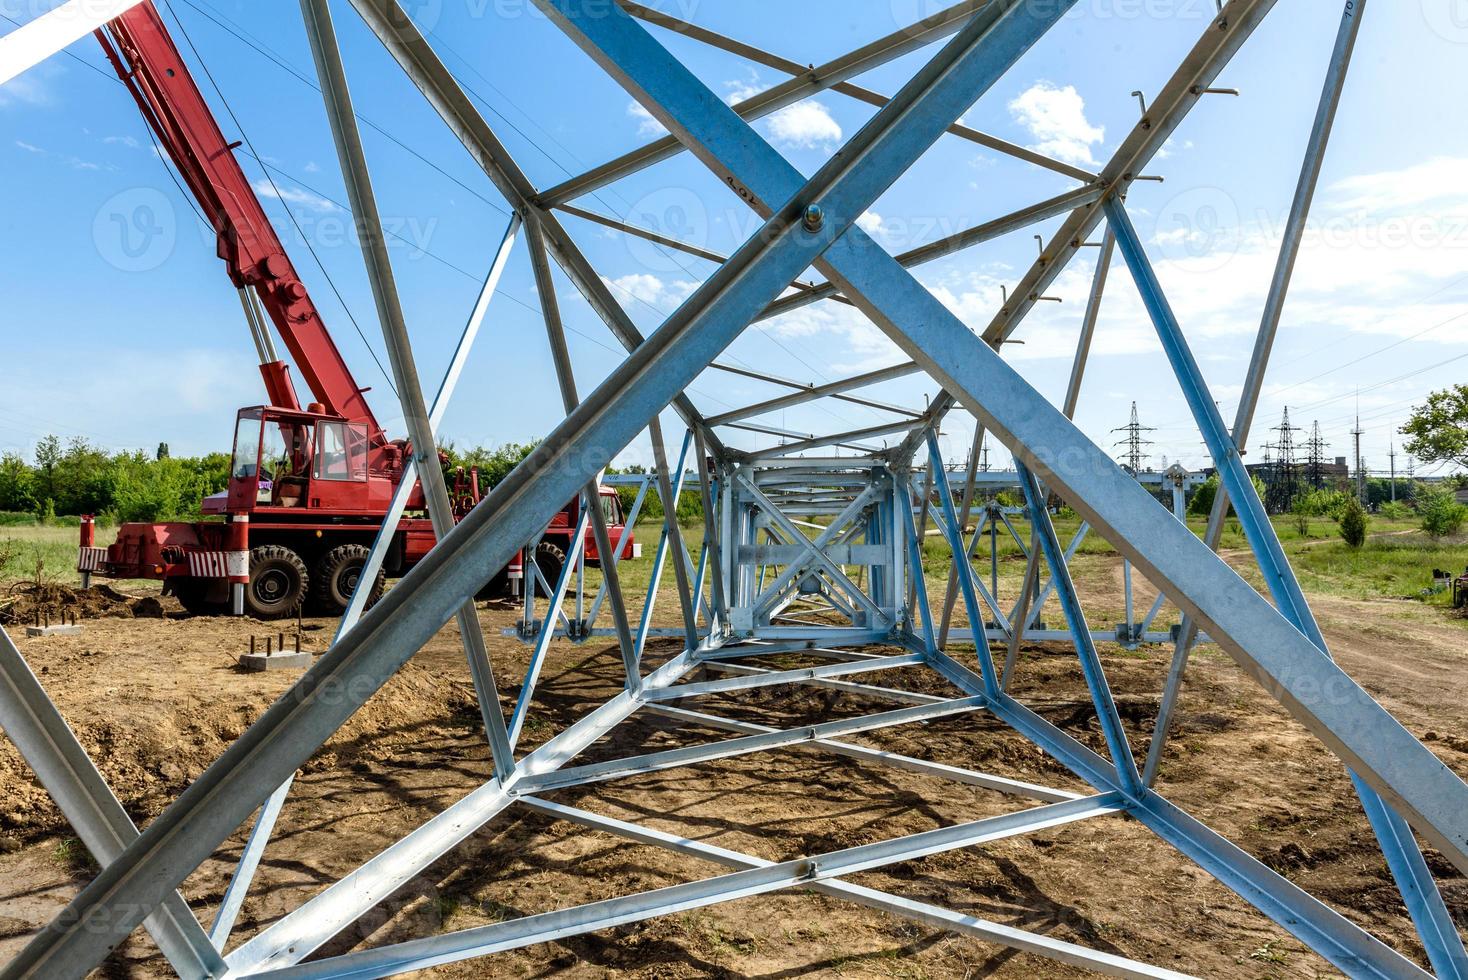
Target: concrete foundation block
{"x": 276, "y": 661}
{"x": 67, "y": 630}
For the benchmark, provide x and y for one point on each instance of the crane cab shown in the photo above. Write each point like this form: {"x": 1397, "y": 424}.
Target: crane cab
{"x": 285, "y": 461}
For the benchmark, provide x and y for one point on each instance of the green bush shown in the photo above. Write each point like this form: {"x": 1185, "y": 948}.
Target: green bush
{"x": 1439, "y": 511}
{"x": 1353, "y": 523}
{"x": 1301, "y": 515}
{"x": 1322, "y": 503}
{"x": 16, "y": 518}
{"x": 1394, "y": 510}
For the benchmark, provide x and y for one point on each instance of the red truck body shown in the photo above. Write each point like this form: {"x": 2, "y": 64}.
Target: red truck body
{"x": 309, "y": 486}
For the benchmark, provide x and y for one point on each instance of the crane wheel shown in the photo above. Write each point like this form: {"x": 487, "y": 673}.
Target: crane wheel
{"x": 278, "y": 582}
{"x": 550, "y": 559}
{"x": 336, "y": 577}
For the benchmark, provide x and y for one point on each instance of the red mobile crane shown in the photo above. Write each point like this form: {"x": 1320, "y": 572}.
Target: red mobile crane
{"x": 308, "y": 487}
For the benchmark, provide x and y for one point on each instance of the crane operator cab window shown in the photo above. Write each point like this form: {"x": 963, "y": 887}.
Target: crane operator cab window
{"x": 285, "y": 463}
{"x": 341, "y": 451}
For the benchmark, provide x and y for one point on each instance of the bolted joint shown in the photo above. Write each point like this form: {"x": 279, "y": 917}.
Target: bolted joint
{"x": 813, "y": 218}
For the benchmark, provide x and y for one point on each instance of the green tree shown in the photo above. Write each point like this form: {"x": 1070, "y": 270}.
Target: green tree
{"x": 1438, "y": 429}
{"x": 1439, "y": 511}
{"x": 17, "y": 483}
{"x": 1201, "y": 503}
{"x": 48, "y": 454}
{"x": 1352, "y": 523}
{"x": 494, "y": 463}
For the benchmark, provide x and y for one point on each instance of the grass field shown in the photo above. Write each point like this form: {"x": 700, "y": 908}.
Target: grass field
{"x": 1396, "y": 562}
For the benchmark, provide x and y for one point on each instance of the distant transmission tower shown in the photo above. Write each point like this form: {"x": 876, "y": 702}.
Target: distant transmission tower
{"x": 1133, "y": 457}
{"x": 1315, "y": 448}
{"x": 1281, "y": 479}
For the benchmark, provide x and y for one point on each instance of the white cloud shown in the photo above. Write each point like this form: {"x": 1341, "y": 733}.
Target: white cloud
{"x": 873, "y": 224}
{"x": 29, "y": 147}
{"x": 312, "y": 167}
{"x": 292, "y": 195}
{"x": 805, "y": 125}
{"x": 650, "y": 289}
{"x": 1434, "y": 180}
{"x": 647, "y": 124}
{"x": 1056, "y": 120}
{"x": 26, "y": 89}
{"x": 126, "y": 141}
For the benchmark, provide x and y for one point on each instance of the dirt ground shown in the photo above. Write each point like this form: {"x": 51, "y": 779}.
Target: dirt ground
{"x": 154, "y": 700}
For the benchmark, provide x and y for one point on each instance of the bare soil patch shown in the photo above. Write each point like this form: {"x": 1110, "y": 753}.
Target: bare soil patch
{"x": 155, "y": 700}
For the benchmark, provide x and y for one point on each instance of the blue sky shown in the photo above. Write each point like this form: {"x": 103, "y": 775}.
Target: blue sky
{"x": 130, "y": 350}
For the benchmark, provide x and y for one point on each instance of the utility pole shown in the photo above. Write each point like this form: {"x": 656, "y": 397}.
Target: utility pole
{"x": 1356, "y": 434}
{"x": 1392, "y": 454}
{"x": 1133, "y": 457}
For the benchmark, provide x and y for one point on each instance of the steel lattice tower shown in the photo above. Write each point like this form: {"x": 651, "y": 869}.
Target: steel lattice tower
{"x": 811, "y": 547}
{"x": 1282, "y": 473}
{"x": 1133, "y": 457}
{"x": 1315, "y": 448}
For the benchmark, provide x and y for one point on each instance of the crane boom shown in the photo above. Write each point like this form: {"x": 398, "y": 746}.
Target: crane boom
{"x": 144, "y": 56}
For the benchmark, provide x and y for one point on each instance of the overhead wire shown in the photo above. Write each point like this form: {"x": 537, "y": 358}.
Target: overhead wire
{"x": 260, "y": 47}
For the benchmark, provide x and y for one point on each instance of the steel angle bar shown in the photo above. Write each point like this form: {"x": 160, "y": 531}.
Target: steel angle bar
{"x": 847, "y": 517}
{"x": 1419, "y": 890}
{"x": 795, "y": 68}
{"x": 844, "y": 439}
{"x": 814, "y": 392}
{"x": 1264, "y": 341}
{"x": 1342, "y": 942}
{"x": 50, "y": 748}
{"x": 1222, "y": 38}
{"x": 960, "y": 562}
{"x": 581, "y": 919}
{"x": 401, "y": 38}
{"x": 629, "y": 521}
{"x": 1106, "y": 713}
{"x": 255, "y": 763}
{"x": 950, "y": 592}
{"x": 850, "y": 687}
{"x": 1268, "y": 646}
{"x": 819, "y": 557}
{"x": 940, "y": 918}
{"x": 39, "y": 38}
{"x": 771, "y": 678}
{"x": 557, "y": 596}
{"x": 893, "y": 760}
{"x": 591, "y": 495}
{"x": 637, "y": 232}
{"x": 950, "y": 244}
{"x": 800, "y": 386}
{"x": 332, "y": 77}
{"x": 298, "y": 934}
{"x": 895, "y": 45}
{"x": 669, "y": 492}
{"x": 728, "y": 748}
{"x": 239, "y": 882}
